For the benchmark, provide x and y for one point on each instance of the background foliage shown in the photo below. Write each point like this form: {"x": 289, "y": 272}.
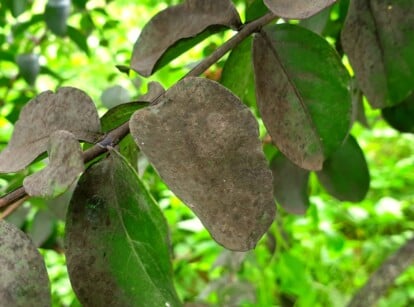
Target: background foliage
{"x": 316, "y": 259}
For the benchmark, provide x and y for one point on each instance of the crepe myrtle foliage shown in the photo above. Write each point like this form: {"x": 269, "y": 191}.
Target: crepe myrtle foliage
{"x": 203, "y": 140}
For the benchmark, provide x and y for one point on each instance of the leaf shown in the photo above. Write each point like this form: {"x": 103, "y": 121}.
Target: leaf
{"x": 345, "y": 174}
{"x": 204, "y": 143}
{"x": 401, "y": 116}
{"x": 238, "y": 74}
{"x": 66, "y": 164}
{"x": 41, "y": 227}
{"x": 18, "y": 7}
{"x": 377, "y": 37}
{"x": 317, "y": 22}
{"x": 68, "y": 109}
{"x": 56, "y": 15}
{"x": 120, "y": 114}
{"x": 80, "y": 39}
{"x": 290, "y": 184}
{"x": 115, "y": 95}
{"x": 255, "y": 9}
{"x": 155, "y": 90}
{"x": 176, "y": 23}
{"x": 117, "y": 245}
{"x": 302, "y": 93}
{"x": 24, "y": 281}
{"x": 297, "y": 9}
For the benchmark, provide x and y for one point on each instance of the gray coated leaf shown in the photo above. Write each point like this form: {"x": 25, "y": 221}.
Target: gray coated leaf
{"x": 378, "y": 38}
{"x": 297, "y": 9}
{"x": 179, "y": 22}
{"x": 66, "y": 164}
{"x": 68, "y": 109}
{"x": 24, "y": 281}
{"x": 204, "y": 143}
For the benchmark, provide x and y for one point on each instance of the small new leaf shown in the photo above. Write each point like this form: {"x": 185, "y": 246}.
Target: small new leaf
{"x": 297, "y": 9}
{"x": 66, "y": 164}
{"x": 204, "y": 143}
{"x": 117, "y": 245}
{"x": 68, "y": 109}
{"x": 24, "y": 280}
{"x": 176, "y": 23}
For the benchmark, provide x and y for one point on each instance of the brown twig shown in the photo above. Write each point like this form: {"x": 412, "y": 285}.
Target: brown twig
{"x": 384, "y": 277}
{"x": 116, "y": 135}
{"x": 13, "y": 207}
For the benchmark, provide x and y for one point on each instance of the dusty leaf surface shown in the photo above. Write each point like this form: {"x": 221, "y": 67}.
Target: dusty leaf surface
{"x": 24, "y": 281}
{"x": 176, "y": 23}
{"x": 65, "y": 165}
{"x": 117, "y": 240}
{"x": 305, "y": 106}
{"x": 377, "y": 37}
{"x": 297, "y": 9}
{"x": 68, "y": 109}
{"x": 204, "y": 143}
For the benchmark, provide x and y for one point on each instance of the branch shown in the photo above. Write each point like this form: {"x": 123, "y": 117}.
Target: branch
{"x": 116, "y": 135}
{"x": 384, "y": 277}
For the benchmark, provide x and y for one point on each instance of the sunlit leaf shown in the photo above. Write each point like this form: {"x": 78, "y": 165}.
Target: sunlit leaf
{"x": 345, "y": 174}
{"x": 68, "y": 109}
{"x": 401, "y": 116}
{"x": 297, "y": 9}
{"x": 24, "y": 281}
{"x": 176, "y": 23}
{"x": 290, "y": 185}
{"x": 378, "y": 38}
{"x": 238, "y": 74}
{"x": 117, "y": 245}
{"x": 303, "y": 93}
{"x": 65, "y": 165}
{"x": 204, "y": 143}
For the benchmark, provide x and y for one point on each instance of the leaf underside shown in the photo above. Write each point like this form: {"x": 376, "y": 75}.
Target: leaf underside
{"x": 204, "y": 143}
{"x": 117, "y": 240}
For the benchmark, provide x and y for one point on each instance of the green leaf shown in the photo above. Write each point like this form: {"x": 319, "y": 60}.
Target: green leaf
{"x": 378, "y": 38}
{"x": 18, "y": 7}
{"x": 22, "y": 27}
{"x": 188, "y": 21}
{"x": 303, "y": 93}
{"x": 255, "y": 9}
{"x": 120, "y": 114}
{"x": 56, "y": 15}
{"x": 238, "y": 74}
{"x": 345, "y": 174}
{"x": 401, "y": 116}
{"x": 80, "y": 39}
{"x": 290, "y": 184}
{"x": 24, "y": 280}
{"x": 205, "y": 145}
{"x": 117, "y": 240}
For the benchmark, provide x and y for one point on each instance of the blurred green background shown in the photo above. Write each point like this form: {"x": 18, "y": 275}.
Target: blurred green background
{"x": 318, "y": 259}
